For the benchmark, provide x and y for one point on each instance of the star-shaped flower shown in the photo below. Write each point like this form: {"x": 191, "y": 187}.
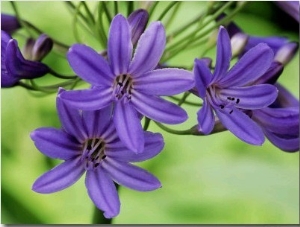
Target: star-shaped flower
{"x": 227, "y": 94}
{"x": 88, "y": 142}
{"x": 132, "y": 84}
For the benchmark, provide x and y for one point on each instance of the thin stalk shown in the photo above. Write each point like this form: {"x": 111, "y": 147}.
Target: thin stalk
{"x": 107, "y": 13}
{"x": 100, "y": 25}
{"x": 13, "y": 4}
{"x": 186, "y": 102}
{"x": 90, "y": 18}
{"x": 116, "y": 7}
{"x": 163, "y": 14}
{"x": 146, "y": 123}
{"x": 174, "y": 13}
{"x": 52, "y": 72}
{"x": 130, "y": 7}
{"x": 151, "y": 11}
{"x": 184, "y": 97}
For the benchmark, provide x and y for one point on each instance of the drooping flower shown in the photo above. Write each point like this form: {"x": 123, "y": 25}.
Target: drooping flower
{"x": 227, "y": 94}
{"x": 14, "y": 66}
{"x": 88, "y": 142}
{"x": 9, "y": 23}
{"x": 130, "y": 83}
{"x": 280, "y": 121}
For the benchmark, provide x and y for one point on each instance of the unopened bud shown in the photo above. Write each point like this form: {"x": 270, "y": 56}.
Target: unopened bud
{"x": 286, "y": 52}
{"x": 238, "y": 43}
{"x": 137, "y": 21}
{"x": 42, "y": 47}
{"x": 9, "y": 23}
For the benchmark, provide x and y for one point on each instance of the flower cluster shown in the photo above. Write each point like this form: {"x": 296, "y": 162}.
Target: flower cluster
{"x": 101, "y": 126}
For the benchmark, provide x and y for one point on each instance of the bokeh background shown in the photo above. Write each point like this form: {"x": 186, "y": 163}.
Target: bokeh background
{"x": 215, "y": 179}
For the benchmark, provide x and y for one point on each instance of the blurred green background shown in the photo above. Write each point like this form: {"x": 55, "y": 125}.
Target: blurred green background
{"x": 215, "y": 179}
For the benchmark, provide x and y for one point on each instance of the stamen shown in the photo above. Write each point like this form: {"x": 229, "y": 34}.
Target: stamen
{"x": 237, "y": 101}
{"x": 122, "y": 86}
{"x": 93, "y": 152}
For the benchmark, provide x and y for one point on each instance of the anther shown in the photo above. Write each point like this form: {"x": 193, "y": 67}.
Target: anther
{"x": 221, "y": 106}
{"x": 231, "y": 112}
{"x": 237, "y": 101}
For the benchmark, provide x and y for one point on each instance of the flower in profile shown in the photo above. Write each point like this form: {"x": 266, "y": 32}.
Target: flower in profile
{"x": 14, "y": 66}
{"x": 131, "y": 84}
{"x": 9, "y": 23}
{"x": 36, "y": 50}
{"x": 88, "y": 142}
{"x": 280, "y": 121}
{"x": 228, "y": 93}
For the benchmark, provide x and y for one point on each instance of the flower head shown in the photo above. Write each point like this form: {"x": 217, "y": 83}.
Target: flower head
{"x": 230, "y": 93}
{"x": 88, "y": 143}
{"x": 14, "y": 66}
{"x": 129, "y": 83}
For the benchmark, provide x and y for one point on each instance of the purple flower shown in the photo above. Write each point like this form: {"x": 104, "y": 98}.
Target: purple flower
{"x": 9, "y": 23}
{"x": 88, "y": 142}
{"x": 280, "y": 121}
{"x": 14, "y": 66}
{"x": 228, "y": 94}
{"x": 290, "y": 7}
{"x": 130, "y": 83}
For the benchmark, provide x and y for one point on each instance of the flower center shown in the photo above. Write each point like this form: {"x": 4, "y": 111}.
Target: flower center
{"x": 93, "y": 152}
{"x": 122, "y": 87}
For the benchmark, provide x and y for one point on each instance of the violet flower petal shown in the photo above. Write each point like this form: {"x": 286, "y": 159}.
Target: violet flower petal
{"x": 285, "y": 98}
{"x": 203, "y": 76}
{"x": 241, "y": 126}
{"x": 17, "y": 66}
{"x": 137, "y": 20}
{"x": 70, "y": 118}
{"x": 102, "y": 192}
{"x": 250, "y": 67}
{"x": 206, "y": 118}
{"x": 165, "y": 82}
{"x": 149, "y": 50}
{"x": 154, "y": 143}
{"x": 158, "y": 109}
{"x": 89, "y": 65}
{"x": 278, "y": 120}
{"x": 9, "y": 23}
{"x": 251, "y": 97}
{"x": 96, "y": 122}
{"x": 223, "y": 54}
{"x": 55, "y": 143}
{"x": 128, "y": 126}
{"x": 131, "y": 176}
{"x": 60, "y": 177}
{"x": 271, "y": 75}
{"x": 88, "y": 99}
{"x": 283, "y": 141}
{"x": 119, "y": 45}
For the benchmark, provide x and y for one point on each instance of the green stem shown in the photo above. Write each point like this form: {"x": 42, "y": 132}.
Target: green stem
{"x": 130, "y": 7}
{"x": 19, "y": 18}
{"x": 163, "y": 14}
{"x": 186, "y": 102}
{"x": 52, "y": 72}
{"x": 116, "y": 7}
{"x": 107, "y": 13}
{"x": 146, "y": 123}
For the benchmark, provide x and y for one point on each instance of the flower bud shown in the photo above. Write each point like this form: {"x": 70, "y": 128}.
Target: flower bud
{"x": 137, "y": 21}
{"x": 286, "y": 53}
{"x": 238, "y": 43}
{"x": 42, "y": 47}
